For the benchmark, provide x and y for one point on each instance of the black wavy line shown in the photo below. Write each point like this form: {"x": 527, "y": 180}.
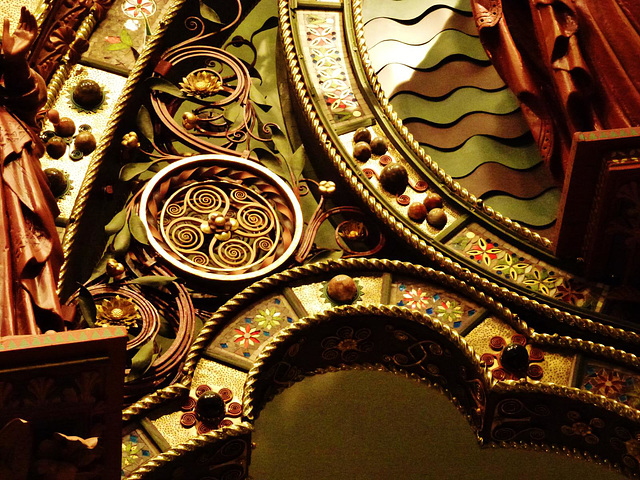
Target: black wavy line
{"x": 521, "y": 170}
{"x": 446, "y": 95}
{"x": 455, "y": 57}
{"x": 509, "y": 142}
{"x": 456, "y": 121}
{"x": 428, "y": 11}
{"x": 423, "y": 43}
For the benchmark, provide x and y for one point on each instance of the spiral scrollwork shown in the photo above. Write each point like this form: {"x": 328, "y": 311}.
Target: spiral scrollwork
{"x": 205, "y": 199}
{"x": 233, "y": 253}
{"x": 255, "y": 220}
{"x": 185, "y": 234}
{"x": 216, "y": 217}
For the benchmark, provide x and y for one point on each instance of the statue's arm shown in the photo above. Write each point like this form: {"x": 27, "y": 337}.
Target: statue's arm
{"x": 15, "y": 48}
{"x": 25, "y": 89}
{"x": 501, "y": 48}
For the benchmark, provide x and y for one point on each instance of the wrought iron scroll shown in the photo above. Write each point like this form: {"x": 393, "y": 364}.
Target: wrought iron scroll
{"x": 212, "y": 104}
{"x": 221, "y": 218}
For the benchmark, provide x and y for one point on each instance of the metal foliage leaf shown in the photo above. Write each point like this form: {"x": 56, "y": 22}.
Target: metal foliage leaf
{"x": 209, "y": 13}
{"x": 137, "y": 229}
{"x": 122, "y": 242}
{"x": 87, "y": 306}
{"x": 116, "y": 223}
{"x": 155, "y": 281}
{"x": 132, "y": 170}
{"x": 269, "y": 23}
{"x": 144, "y": 123}
{"x": 271, "y": 161}
{"x": 142, "y": 360}
{"x": 158, "y": 84}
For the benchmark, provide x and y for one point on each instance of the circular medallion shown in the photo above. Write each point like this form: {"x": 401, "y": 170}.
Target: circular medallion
{"x": 218, "y": 217}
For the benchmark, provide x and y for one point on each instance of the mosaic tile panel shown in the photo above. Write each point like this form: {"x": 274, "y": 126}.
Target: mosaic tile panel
{"x": 75, "y": 169}
{"x": 120, "y": 37}
{"x": 612, "y": 382}
{"x": 516, "y": 266}
{"x": 448, "y": 307}
{"x": 323, "y": 52}
{"x": 137, "y": 449}
{"x": 243, "y": 339}
{"x": 315, "y": 300}
{"x": 181, "y": 425}
{"x": 492, "y": 335}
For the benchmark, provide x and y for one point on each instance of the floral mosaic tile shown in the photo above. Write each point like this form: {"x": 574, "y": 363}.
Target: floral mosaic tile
{"x": 120, "y": 37}
{"x": 137, "y": 449}
{"x": 448, "y": 307}
{"x": 612, "y": 382}
{"x": 518, "y": 267}
{"x": 324, "y": 55}
{"x": 243, "y": 339}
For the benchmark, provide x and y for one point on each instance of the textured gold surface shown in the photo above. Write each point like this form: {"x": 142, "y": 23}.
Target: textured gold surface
{"x": 11, "y": 9}
{"x": 312, "y": 273}
{"x": 251, "y": 407}
{"x": 112, "y": 86}
{"x": 479, "y": 337}
{"x": 315, "y": 302}
{"x": 235, "y": 350}
{"x": 306, "y": 104}
{"x": 216, "y": 376}
{"x": 557, "y": 367}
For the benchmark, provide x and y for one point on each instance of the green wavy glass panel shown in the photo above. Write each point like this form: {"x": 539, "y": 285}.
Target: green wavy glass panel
{"x": 459, "y": 103}
{"x": 480, "y": 149}
{"x": 428, "y": 55}
{"x": 536, "y": 212}
{"x": 407, "y": 9}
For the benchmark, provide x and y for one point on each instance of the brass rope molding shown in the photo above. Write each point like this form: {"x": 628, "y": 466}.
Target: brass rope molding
{"x": 399, "y": 228}
{"x": 146, "y": 56}
{"x": 259, "y": 289}
{"x": 490, "y": 385}
{"x": 502, "y": 386}
{"x": 179, "y": 451}
{"x": 394, "y": 312}
{"x": 453, "y": 186}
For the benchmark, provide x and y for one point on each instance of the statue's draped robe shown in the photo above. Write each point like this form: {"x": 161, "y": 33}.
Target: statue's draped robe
{"x": 30, "y": 251}
{"x": 572, "y": 63}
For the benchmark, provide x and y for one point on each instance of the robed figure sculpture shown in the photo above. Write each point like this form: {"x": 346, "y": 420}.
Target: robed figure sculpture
{"x": 30, "y": 251}
{"x": 573, "y": 64}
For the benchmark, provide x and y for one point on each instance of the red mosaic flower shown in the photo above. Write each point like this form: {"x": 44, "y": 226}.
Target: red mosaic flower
{"x": 138, "y": 8}
{"x": 571, "y": 292}
{"x": 416, "y": 299}
{"x": 484, "y": 251}
{"x": 608, "y": 383}
{"x": 246, "y": 336}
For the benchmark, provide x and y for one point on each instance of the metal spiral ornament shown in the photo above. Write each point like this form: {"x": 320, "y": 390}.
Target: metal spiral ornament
{"x": 219, "y": 217}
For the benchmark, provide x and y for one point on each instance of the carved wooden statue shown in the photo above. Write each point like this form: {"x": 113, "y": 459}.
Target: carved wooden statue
{"x": 572, "y": 63}
{"x": 30, "y": 251}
